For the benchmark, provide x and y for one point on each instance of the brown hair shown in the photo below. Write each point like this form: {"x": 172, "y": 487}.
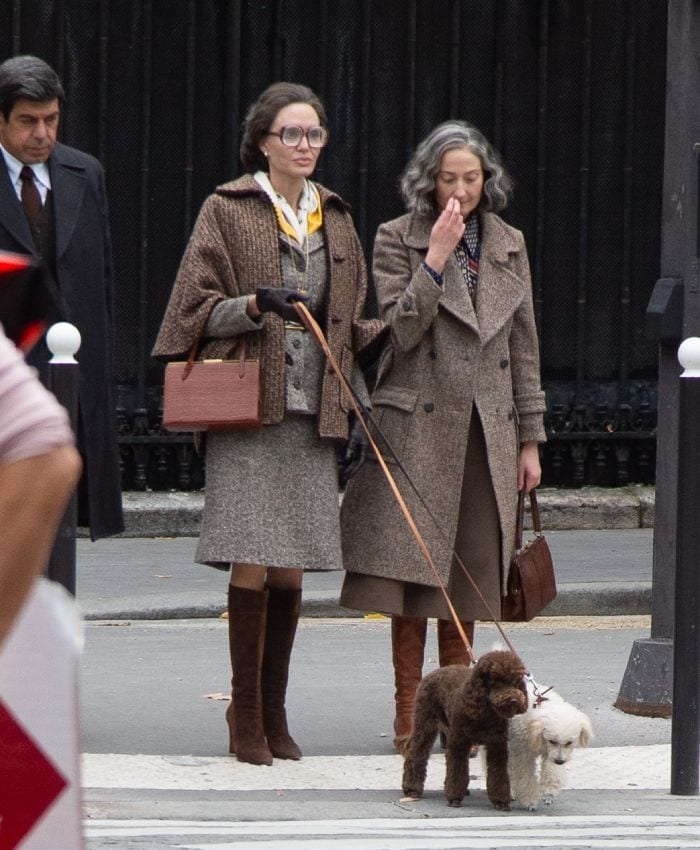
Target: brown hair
{"x": 262, "y": 114}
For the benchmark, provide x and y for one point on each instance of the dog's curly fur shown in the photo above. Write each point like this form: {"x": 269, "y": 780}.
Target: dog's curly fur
{"x": 471, "y": 705}
{"x": 544, "y": 738}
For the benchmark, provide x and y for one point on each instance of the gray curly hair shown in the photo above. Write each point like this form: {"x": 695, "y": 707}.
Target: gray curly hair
{"x": 418, "y": 180}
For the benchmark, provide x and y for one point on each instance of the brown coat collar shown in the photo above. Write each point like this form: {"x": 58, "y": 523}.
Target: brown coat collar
{"x": 499, "y": 288}
{"x": 248, "y": 185}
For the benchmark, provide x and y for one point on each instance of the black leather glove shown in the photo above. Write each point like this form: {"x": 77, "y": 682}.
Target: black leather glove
{"x": 355, "y": 452}
{"x": 279, "y": 300}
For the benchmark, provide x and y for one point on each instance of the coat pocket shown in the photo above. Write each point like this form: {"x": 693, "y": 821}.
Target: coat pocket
{"x": 392, "y": 415}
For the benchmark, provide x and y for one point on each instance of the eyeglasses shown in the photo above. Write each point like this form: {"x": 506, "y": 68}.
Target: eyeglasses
{"x": 292, "y": 134}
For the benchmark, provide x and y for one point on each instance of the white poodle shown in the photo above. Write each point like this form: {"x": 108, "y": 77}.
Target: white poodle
{"x": 540, "y": 742}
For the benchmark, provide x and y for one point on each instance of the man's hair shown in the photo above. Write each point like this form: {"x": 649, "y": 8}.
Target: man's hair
{"x": 418, "y": 181}
{"x": 261, "y": 116}
{"x": 30, "y": 78}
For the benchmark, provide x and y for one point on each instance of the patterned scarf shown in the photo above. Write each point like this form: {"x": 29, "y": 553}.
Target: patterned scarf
{"x": 468, "y": 251}
{"x": 309, "y": 217}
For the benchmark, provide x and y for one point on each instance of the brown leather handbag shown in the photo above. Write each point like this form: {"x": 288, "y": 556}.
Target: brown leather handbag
{"x": 212, "y": 395}
{"x": 531, "y": 583}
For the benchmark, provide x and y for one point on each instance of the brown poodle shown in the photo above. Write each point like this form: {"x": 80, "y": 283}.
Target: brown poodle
{"x": 471, "y": 705}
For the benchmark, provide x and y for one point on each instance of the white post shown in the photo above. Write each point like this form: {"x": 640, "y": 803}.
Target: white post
{"x": 63, "y": 340}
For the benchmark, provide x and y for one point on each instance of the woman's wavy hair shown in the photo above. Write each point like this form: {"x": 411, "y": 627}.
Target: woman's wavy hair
{"x": 262, "y": 114}
{"x": 418, "y": 180}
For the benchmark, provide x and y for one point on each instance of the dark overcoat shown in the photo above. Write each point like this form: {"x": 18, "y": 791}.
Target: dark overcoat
{"x": 83, "y": 272}
{"x": 444, "y": 358}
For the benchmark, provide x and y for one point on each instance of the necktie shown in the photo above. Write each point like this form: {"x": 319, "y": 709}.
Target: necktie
{"x": 31, "y": 199}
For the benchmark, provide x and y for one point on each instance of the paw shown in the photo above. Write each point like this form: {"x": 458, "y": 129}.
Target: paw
{"x": 456, "y": 803}
{"x": 501, "y": 805}
{"x": 532, "y": 807}
{"x": 414, "y": 793}
{"x": 548, "y": 799}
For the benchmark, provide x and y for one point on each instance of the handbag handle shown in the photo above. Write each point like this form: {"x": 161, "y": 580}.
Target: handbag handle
{"x": 520, "y": 521}
{"x": 239, "y": 354}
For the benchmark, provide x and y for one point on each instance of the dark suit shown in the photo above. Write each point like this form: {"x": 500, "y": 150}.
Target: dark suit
{"x": 82, "y": 264}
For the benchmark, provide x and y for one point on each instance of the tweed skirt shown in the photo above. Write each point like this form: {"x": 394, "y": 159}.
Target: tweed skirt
{"x": 271, "y": 498}
{"x": 477, "y": 543}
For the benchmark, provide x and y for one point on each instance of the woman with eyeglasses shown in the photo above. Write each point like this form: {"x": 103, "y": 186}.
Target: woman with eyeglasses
{"x": 260, "y": 243}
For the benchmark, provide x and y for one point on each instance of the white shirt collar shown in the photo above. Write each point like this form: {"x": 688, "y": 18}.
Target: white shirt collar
{"x": 40, "y": 169}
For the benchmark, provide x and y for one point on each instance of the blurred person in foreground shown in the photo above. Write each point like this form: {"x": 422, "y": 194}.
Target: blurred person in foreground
{"x": 457, "y": 396}
{"x": 39, "y": 468}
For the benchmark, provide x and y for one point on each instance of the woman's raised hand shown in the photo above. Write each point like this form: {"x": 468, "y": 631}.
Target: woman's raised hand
{"x": 446, "y": 233}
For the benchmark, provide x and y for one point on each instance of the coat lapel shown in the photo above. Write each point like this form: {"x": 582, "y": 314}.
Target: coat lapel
{"x": 499, "y": 290}
{"x": 68, "y": 182}
{"x": 12, "y": 217}
{"x": 455, "y": 299}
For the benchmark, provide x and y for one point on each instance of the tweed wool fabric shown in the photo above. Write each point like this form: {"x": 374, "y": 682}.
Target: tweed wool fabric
{"x": 477, "y": 542}
{"x": 271, "y": 498}
{"x": 446, "y": 358}
{"x": 235, "y": 248}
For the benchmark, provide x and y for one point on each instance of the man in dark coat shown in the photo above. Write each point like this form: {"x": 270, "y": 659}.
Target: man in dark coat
{"x": 53, "y": 206}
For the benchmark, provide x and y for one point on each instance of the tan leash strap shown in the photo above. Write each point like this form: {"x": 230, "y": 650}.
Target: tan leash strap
{"x": 314, "y": 328}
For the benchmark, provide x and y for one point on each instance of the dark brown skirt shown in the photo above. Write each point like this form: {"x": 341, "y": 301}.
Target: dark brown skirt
{"x": 477, "y": 543}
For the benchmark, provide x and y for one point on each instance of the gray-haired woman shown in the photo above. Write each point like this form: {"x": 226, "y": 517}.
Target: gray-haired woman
{"x": 458, "y": 398}
{"x": 271, "y": 500}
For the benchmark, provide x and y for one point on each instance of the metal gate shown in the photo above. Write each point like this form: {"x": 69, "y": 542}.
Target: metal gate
{"x": 570, "y": 91}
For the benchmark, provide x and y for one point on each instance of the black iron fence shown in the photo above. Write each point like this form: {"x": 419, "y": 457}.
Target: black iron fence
{"x": 570, "y": 91}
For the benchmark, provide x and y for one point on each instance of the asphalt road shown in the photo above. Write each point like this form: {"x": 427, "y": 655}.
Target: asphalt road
{"x": 160, "y": 687}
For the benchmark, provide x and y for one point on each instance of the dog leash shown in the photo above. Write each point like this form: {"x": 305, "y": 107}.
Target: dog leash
{"x": 313, "y": 327}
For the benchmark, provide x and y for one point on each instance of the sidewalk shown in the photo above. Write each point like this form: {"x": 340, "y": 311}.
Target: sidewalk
{"x": 164, "y": 514}
{"x": 601, "y": 541}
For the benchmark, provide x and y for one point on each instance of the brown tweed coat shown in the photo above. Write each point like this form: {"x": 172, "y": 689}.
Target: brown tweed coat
{"x": 234, "y": 248}
{"x": 444, "y": 358}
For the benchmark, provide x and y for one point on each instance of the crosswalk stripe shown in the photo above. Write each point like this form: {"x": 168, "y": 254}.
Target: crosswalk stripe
{"x": 618, "y": 831}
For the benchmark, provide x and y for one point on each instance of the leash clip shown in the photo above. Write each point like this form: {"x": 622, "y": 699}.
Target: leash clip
{"x": 538, "y": 694}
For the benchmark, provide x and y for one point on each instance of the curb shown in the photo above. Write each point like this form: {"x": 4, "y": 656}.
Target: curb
{"x": 573, "y": 600}
{"x": 179, "y": 513}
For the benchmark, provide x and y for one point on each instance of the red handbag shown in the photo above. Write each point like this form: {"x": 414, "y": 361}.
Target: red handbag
{"x": 531, "y": 584}
{"x": 212, "y": 395}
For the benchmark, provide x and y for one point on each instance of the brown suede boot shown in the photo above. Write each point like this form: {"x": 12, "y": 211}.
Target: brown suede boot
{"x": 407, "y": 650}
{"x": 451, "y": 649}
{"x": 247, "y": 610}
{"x": 283, "y": 608}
